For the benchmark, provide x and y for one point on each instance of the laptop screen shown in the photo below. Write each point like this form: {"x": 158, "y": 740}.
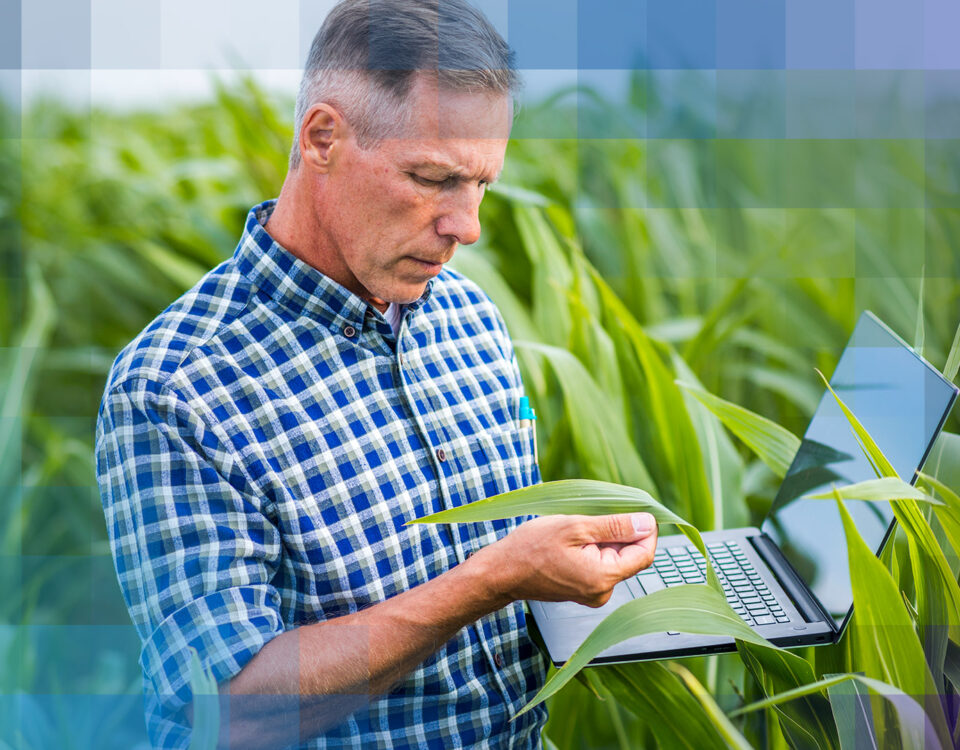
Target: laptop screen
{"x": 902, "y": 402}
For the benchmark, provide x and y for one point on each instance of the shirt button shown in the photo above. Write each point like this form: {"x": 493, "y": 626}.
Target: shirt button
{"x": 349, "y": 332}
{"x": 498, "y": 660}
{"x": 441, "y": 455}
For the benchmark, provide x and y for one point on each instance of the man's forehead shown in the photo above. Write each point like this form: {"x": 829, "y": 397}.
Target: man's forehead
{"x": 444, "y": 113}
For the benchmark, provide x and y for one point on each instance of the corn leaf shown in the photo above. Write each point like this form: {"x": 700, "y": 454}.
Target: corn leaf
{"x": 914, "y": 725}
{"x": 878, "y": 490}
{"x": 676, "y": 440}
{"x": 692, "y": 608}
{"x": 853, "y": 713}
{"x": 953, "y": 358}
{"x": 726, "y": 729}
{"x": 808, "y": 720}
{"x": 601, "y": 439}
{"x": 19, "y": 379}
{"x": 654, "y": 694}
{"x": 206, "y": 706}
{"x": 552, "y": 275}
{"x": 918, "y": 335}
{"x": 773, "y": 444}
{"x": 948, "y": 513}
{"x": 722, "y": 462}
{"x": 887, "y": 645}
{"x": 938, "y": 595}
{"x": 567, "y": 497}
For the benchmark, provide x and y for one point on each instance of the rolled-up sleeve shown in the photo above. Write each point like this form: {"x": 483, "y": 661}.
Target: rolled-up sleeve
{"x": 193, "y": 542}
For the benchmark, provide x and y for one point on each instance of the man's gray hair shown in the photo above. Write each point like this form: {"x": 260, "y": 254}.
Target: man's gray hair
{"x": 365, "y": 57}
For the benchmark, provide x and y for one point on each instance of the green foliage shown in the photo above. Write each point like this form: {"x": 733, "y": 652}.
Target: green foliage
{"x": 206, "y": 706}
{"x": 621, "y": 267}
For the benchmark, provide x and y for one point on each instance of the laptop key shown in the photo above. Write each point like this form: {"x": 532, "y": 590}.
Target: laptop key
{"x": 651, "y": 583}
{"x": 765, "y": 620}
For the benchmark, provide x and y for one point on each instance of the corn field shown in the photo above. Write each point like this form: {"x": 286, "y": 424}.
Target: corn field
{"x": 621, "y": 265}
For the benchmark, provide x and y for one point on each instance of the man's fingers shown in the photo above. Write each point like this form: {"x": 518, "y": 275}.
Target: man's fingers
{"x": 636, "y": 557}
{"x": 621, "y": 527}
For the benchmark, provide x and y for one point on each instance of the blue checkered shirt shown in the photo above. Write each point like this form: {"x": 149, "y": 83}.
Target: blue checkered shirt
{"x": 260, "y": 446}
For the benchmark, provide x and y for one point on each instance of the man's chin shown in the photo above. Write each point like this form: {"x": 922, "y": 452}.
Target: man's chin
{"x": 405, "y": 295}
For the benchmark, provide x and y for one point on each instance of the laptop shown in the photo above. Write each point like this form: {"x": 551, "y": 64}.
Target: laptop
{"x": 789, "y": 579}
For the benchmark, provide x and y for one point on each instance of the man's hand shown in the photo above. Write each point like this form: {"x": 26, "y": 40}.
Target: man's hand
{"x": 572, "y": 558}
{"x": 311, "y": 677}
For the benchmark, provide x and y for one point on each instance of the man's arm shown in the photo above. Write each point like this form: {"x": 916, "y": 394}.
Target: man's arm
{"x": 312, "y": 677}
{"x": 196, "y": 555}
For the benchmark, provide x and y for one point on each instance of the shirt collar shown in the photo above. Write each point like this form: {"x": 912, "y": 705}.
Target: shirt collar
{"x": 297, "y": 285}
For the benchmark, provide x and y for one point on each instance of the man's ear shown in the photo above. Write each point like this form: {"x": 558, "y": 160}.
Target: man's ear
{"x": 322, "y": 131}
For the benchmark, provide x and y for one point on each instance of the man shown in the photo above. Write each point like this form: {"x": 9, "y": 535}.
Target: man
{"x": 263, "y": 442}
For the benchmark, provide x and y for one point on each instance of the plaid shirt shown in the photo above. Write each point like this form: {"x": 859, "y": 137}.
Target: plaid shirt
{"x": 260, "y": 446}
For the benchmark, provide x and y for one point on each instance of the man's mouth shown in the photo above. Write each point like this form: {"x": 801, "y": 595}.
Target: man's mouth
{"x": 429, "y": 265}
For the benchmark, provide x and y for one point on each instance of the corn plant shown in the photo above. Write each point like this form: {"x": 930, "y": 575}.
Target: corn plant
{"x": 618, "y": 273}
{"x": 903, "y": 652}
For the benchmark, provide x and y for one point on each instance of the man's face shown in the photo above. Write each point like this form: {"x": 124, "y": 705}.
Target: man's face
{"x": 392, "y": 215}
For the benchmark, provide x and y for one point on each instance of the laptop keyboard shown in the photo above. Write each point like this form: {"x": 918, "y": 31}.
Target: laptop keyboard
{"x": 746, "y": 592}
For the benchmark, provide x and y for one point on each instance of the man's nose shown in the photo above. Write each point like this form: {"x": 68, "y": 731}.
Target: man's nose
{"x": 461, "y": 219}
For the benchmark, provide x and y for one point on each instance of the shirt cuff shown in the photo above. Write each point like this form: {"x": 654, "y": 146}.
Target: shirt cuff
{"x": 227, "y": 628}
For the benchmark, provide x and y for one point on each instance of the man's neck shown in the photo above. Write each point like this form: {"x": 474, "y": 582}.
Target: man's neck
{"x": 293, "y": 226}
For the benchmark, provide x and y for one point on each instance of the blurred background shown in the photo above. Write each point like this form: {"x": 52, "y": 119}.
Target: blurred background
{"x": 740, "y": 179}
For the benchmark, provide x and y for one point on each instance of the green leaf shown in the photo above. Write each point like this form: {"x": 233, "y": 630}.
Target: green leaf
{"x": 729, "y": 733}
{"x": 206, "y": 706}
{"x": 520, "y": 194}
{"x": 552, "y": 275}
{"x": 601, "y": 438}
{"x": 853, "y": 714}
{"x": 18, "y": 379}
{"x": 722, "y": 461}
{"x": 773, "y": 444}
{"x": 953, "y": 358}
{"x": 567, "y": 497}
{"x": 883, "y": 467}
{"x": 952, "y": 667}
{"x": 812, "y": 688}
{"x": 808, "y": 720}
{"x": 655, "y": 694}
{"x": 912, "y": 720}
{"x": 675, "y": 440}
{"x": 939, "y": 595}
{"x": 887, "y": 645}
{"x": 948, "y": 513}
{"x": 918, "y": 335}
{"x": 878, "y": 490}
{"x": 691, "y": 608}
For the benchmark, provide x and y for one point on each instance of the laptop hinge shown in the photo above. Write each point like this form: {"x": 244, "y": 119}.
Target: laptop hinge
{"x": 808, "y": 606}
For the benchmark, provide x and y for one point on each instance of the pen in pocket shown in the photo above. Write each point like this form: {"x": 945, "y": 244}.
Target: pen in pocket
{"x": 528, "y": 418}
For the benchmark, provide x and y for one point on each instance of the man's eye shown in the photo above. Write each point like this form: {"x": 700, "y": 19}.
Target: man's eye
{"x": 426, "y": 182}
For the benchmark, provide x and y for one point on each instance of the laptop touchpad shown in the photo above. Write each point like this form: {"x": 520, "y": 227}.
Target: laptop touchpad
{"x": 559, "y": 610}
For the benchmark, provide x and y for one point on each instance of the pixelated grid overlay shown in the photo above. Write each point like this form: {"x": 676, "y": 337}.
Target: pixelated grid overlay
{"x": 827, "y": 130}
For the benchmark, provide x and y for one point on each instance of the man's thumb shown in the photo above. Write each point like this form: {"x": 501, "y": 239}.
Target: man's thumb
{"x": 624, "y": 527}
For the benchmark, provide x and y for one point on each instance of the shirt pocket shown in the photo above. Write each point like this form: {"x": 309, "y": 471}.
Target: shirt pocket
{"x": 509, "y": 455}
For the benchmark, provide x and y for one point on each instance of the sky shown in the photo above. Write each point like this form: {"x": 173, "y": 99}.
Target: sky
{"x": 138, "y": 53}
